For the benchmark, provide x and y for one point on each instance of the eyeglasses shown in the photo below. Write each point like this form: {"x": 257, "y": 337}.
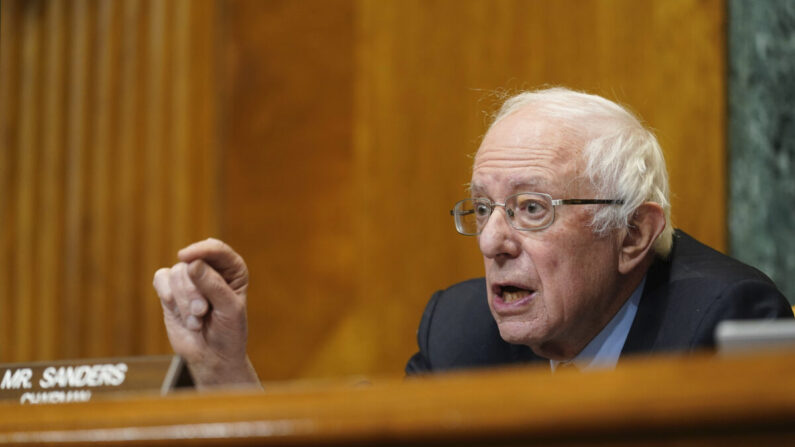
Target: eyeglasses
{"x": 526, "y": 211}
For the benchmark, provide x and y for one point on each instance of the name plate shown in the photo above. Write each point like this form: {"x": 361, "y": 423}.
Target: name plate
{"x": 81, "y": 380}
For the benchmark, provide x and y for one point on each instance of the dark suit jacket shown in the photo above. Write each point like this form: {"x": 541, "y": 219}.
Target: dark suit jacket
{"x": 684, "y": 298}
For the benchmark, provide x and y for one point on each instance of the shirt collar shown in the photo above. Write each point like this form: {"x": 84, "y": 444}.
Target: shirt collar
{"x": 602, "y": 351}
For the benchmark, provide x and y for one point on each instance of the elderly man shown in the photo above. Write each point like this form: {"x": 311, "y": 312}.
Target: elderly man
{"x": 569, "y": 203}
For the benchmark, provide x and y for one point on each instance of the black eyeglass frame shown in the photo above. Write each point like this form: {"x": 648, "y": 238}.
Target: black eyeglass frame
{"x": 510, "y": 213}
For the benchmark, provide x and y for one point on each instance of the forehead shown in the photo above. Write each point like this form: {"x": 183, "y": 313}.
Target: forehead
{"x": 525, "y": 151}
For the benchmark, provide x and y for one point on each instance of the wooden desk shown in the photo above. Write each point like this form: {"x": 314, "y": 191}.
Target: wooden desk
{"x": 688, "y": 401}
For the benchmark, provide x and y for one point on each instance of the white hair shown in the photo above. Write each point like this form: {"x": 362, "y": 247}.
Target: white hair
{"x": 622, "y": 159}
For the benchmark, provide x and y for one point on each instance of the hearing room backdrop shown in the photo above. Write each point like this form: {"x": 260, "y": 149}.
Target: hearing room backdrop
{"x": 324, "y": 139}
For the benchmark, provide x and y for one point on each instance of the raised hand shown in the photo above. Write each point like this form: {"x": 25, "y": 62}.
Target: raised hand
{"x": 204, "y": 309}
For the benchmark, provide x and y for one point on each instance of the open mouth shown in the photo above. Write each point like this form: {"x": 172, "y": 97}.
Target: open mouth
{"x": 511, "y": 294}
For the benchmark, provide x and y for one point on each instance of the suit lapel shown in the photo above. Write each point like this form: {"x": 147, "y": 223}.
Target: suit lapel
{"x": 646, "y": 327}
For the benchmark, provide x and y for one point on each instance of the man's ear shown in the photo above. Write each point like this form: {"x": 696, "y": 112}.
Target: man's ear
{"x": 645, "y": 225}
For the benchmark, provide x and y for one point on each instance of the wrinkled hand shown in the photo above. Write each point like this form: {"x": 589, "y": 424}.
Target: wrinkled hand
{"x": 204, "y": 308}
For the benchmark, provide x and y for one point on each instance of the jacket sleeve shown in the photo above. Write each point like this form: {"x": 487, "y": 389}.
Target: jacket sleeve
{"x": 749, "y": 299}
{"x": 420, "y": 362}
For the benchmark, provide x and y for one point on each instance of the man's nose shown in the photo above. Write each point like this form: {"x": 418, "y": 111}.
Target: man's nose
{"x": 498, "y": 237}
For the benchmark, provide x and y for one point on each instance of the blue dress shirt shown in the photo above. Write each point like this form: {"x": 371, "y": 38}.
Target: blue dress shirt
{"x": 602, "y": 351}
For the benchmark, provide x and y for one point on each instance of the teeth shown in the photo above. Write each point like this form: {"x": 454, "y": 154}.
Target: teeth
{"x": 510, "y": 297}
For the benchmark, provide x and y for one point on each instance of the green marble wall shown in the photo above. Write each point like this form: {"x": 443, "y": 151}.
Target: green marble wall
{"x": 762, "y": 137}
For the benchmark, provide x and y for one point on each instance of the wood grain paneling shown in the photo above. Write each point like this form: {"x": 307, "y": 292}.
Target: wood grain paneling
{"x": 8, "y": 82}
{"x": 325, "y": 140}
{"x": 425, "y": 75}
{"x": 50, "y": 208}
{"x": 102, "y": 183}
{"x": 30, "y": 76}
{"x": 126, "y": 205}
{"x": 288, "y": 202}
{"x": 74, "y": 299}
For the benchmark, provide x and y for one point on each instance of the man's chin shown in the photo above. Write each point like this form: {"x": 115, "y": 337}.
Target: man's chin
{"x": 518, "y": 333}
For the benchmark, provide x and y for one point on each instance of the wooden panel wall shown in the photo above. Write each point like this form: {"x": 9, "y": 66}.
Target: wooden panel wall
{"x": 341, "y": 209}
{"x": 289, "y": 203}
{"x": 325, "y": 140}
{"x": 107, "y": 134}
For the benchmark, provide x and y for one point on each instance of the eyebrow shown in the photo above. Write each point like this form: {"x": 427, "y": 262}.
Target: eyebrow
{"x": 535, "y": 182}
{"x": 524, "y": 185}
